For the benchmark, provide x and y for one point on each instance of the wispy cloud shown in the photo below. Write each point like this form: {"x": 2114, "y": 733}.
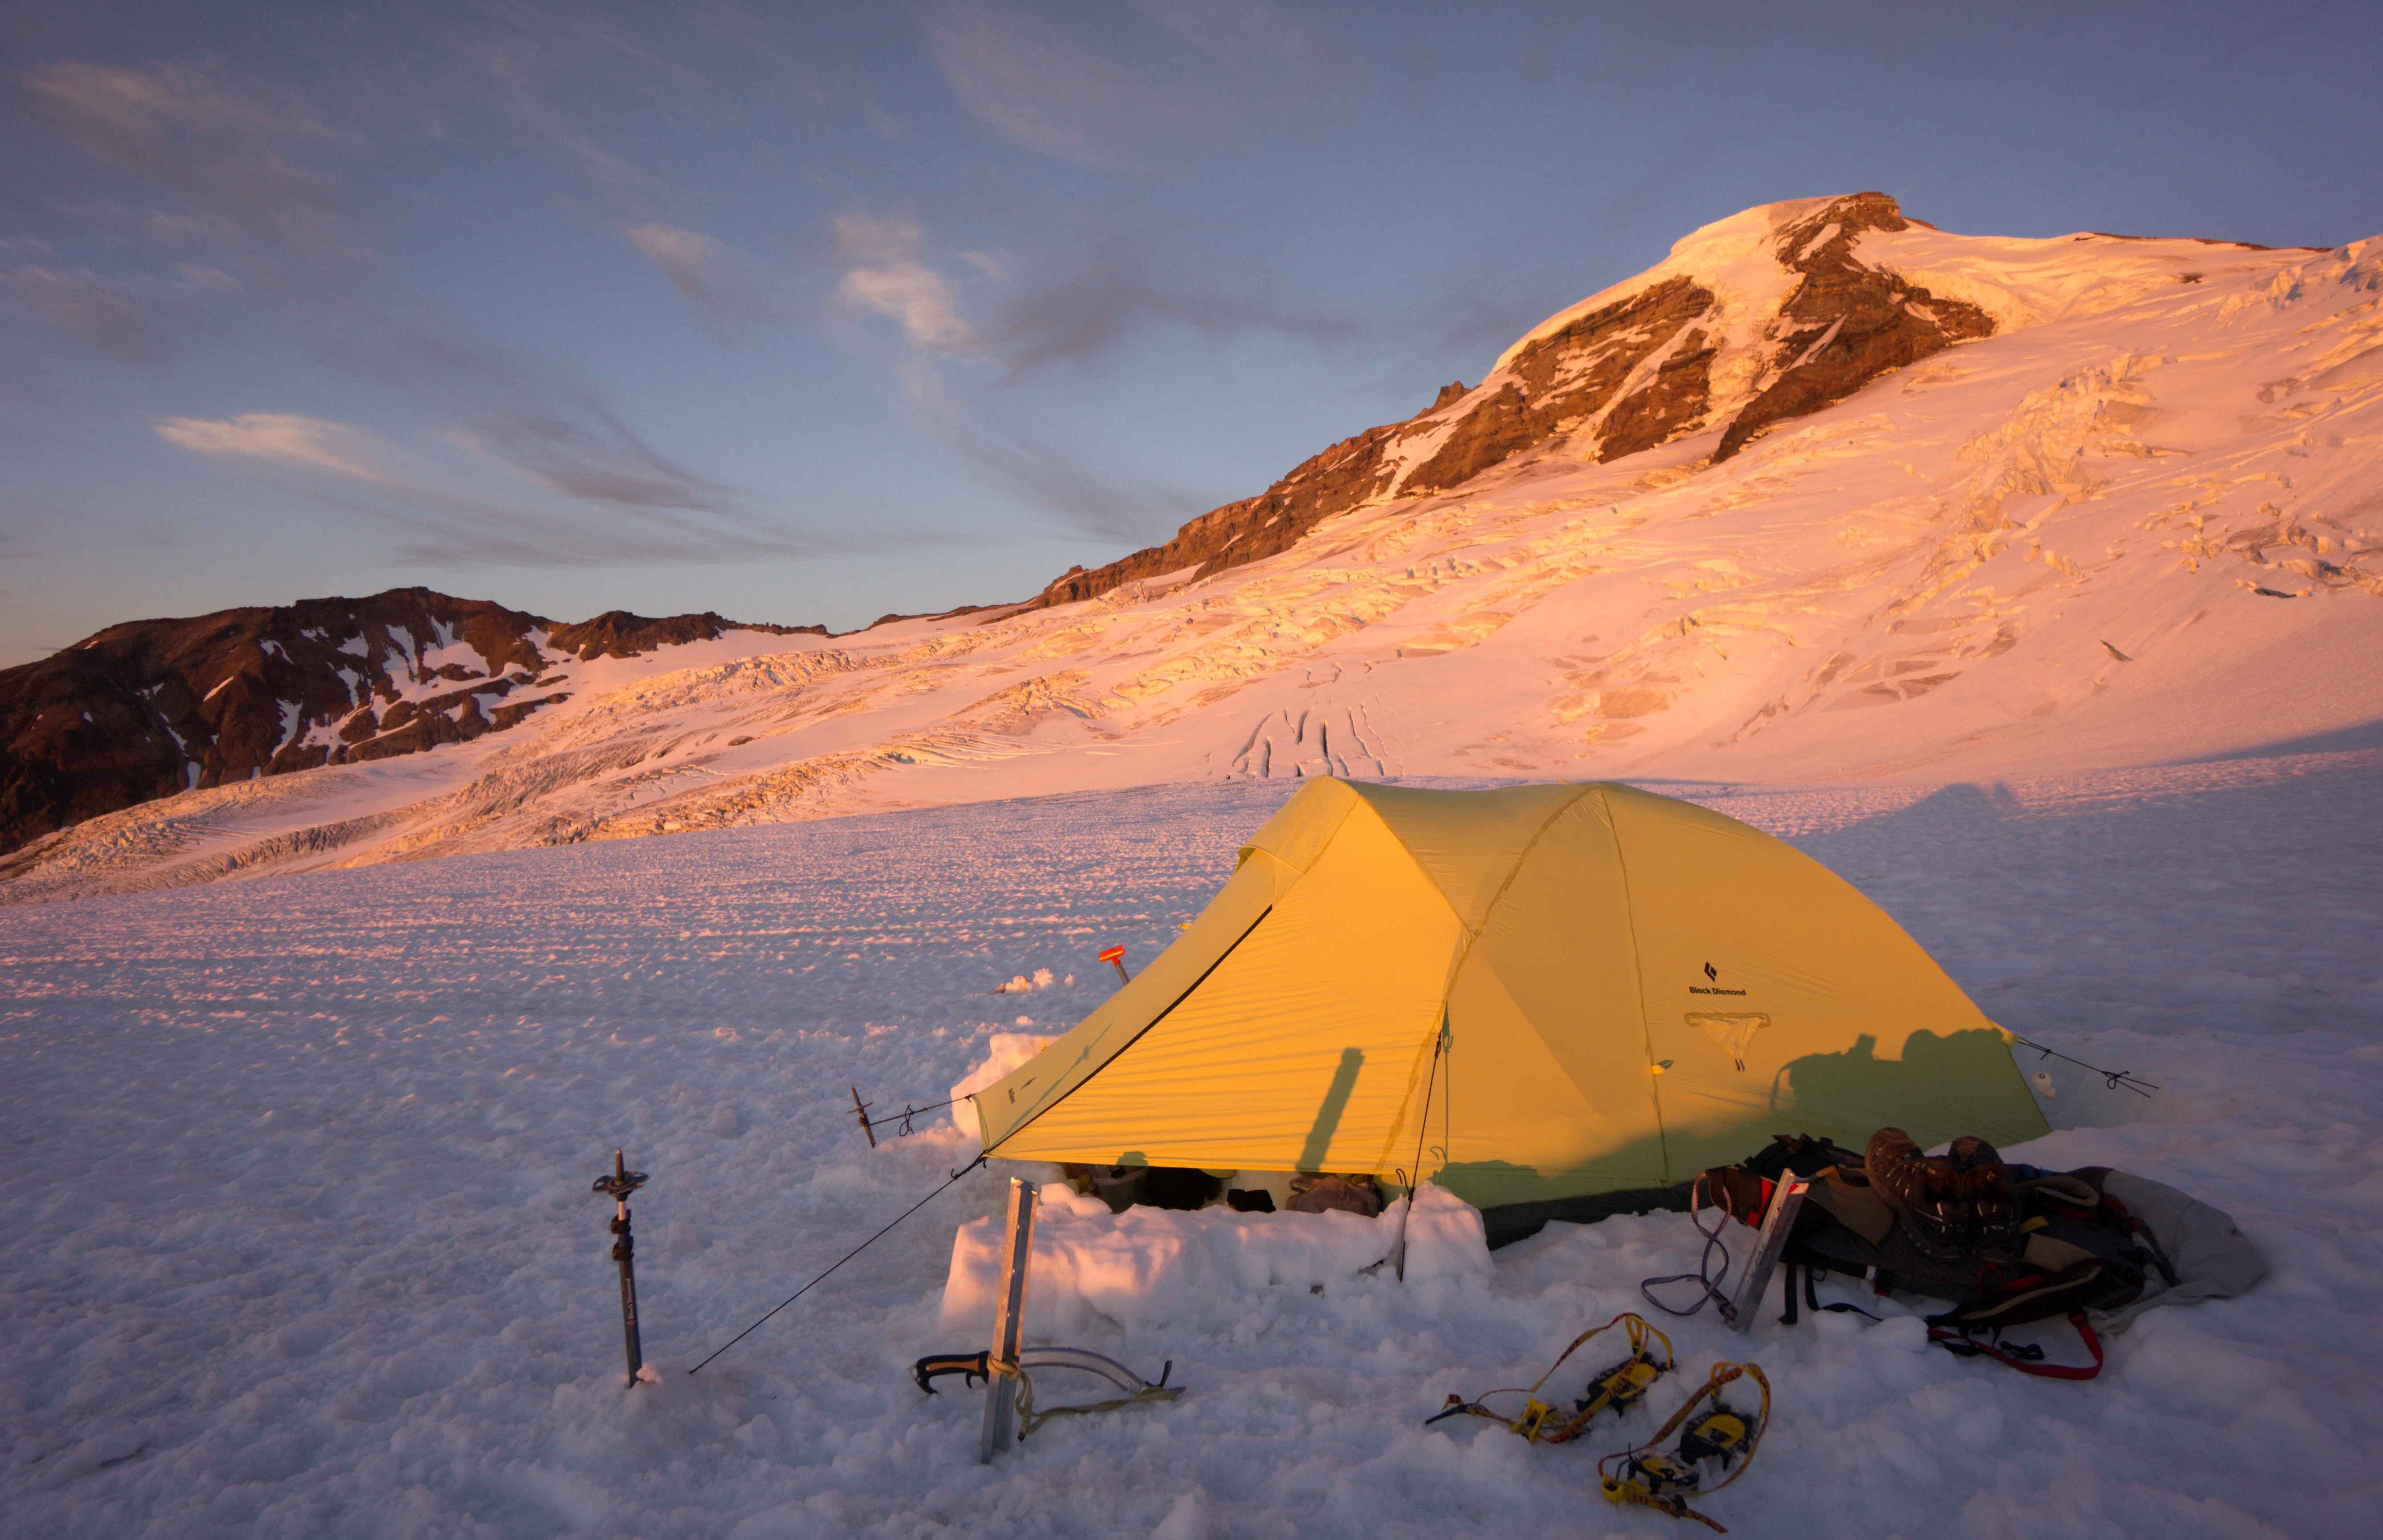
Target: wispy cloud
{"x": 137, "y": 320}
{"x": 240, "y": 149}
{"x": 886, "y": 275}
{"x": 648, "y": 511}
{"x": 704, "y": 271}
{"x": 1030, "y": 80}
{"x": 1079, "y": 496}
{"x": 282, "y": 439}
{"x": 1074, "y": 493}
{"x": 598, "y": 460}
{"x": 1088, "y": 308}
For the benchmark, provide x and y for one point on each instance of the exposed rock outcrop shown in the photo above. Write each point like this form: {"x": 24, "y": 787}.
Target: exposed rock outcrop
{"x": 150, "y": 707}
{"x": 618, "y": 633}
{"x": 1693, "y": 344}
{"x": 1350, "y": 473}
{"x": 1846, "y": 323}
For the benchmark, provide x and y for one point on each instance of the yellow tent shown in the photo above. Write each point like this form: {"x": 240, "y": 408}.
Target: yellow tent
{"x": 1551, "y": 991}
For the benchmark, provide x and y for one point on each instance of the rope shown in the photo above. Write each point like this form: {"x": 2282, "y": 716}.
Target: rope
{"x": 840, "y": 1262}
{"x": 2113, "y": 1078}
{"x": 1028, "y": 1418}
{"x": 910, "y": 1112}
{"x": 1704, "y": 1276}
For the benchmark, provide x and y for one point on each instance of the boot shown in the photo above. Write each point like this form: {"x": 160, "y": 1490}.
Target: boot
{"x": 1993, "y": 1203}
{"x": 1930, "y": 1196}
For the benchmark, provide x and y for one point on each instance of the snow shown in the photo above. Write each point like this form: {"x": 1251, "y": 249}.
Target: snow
{"x": 300, "y": 1241}
{"x": 2134, "y": 527}
{"x": 1146, "y": 1266}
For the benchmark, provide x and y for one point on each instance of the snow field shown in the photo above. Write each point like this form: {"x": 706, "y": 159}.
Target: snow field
{"x": 301, "y": 1241}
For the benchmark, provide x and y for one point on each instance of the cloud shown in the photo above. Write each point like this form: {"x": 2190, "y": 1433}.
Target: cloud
{"x": 1237, "y": 31}
{"x": 1039, "y": 314}
{"x": 657, "y": 513}
{"x": 1203, "y": 68}
{"x": 1081, "y": 497}
{"x": 1077, "y": 495}
{"x": 599, "y": 461}
{"x": 241, "y": 150}
{"x": 887, "y": 276}
{"x": 703, "y": 271}
{"x": 1029, "y": 81}
{"x": 1076, "y": 313}
{"x": 281, "y": 438}
{"x": 138, "y": 321}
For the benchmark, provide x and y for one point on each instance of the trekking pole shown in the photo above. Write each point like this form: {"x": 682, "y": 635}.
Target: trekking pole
{"x": 1115, "y": 957}
{"x": 617, "y": 1186}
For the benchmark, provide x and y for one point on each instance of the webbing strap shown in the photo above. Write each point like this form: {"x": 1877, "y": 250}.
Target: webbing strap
{"x": 1969, "y": 1347}
{"x": 1533, "y": 1422}
{"x": 1623, "y": 1489}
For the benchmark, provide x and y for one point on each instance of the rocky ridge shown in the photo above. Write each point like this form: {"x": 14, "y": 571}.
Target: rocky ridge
{"x": 150, "y": 707}
{"x": 1672, "y": 353}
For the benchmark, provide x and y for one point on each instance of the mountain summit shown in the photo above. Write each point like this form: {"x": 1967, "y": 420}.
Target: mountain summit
{"x": 1827, "y": 495}
{"x": 1767, "y": 315}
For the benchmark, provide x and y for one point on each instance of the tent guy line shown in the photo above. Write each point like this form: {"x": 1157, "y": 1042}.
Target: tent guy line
{"x": 839, "y": 1261}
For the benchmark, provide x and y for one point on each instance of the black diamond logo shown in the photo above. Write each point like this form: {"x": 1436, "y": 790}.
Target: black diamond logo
{"x": 1711, "y": 973}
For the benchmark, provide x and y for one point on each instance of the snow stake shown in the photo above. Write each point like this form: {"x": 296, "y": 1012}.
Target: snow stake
{"x": 1017, "y": 1252}
{"x": 869, "y": 1126}
{"x": 1115, "y": 957}
{"x": 617, "y": 1186}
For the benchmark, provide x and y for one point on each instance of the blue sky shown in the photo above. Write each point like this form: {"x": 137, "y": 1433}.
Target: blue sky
{"x": 814, "y": 312}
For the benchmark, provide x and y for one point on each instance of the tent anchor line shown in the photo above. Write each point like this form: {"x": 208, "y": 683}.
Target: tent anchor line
{"x": 840, "y": 1262}
{"x": 869, "y": 1126}
{"x": 2114, "y": 1077}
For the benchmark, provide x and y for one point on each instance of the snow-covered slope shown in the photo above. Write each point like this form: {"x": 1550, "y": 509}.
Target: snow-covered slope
{"x": 1829, "y": 494}
{"x": 301, "y": 1241}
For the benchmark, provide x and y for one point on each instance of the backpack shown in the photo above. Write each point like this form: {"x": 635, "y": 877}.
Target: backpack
{"x": 2084, "y": 1250}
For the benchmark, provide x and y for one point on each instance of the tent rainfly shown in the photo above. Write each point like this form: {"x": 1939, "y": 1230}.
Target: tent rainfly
{"x": 1623, "y": 989}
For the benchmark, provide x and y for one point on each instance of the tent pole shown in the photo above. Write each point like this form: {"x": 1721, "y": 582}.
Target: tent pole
{"x": 1398, "y": 1257}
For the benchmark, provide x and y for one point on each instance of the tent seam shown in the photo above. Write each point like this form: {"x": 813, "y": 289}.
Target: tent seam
{"x": 1638, "y": 972}
{"x": 1471, "y": 935}
{"x": 1128, "y": 1043}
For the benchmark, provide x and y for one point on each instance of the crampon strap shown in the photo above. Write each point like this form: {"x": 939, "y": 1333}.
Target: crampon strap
{"x": 1618, "y": 1386}
{"x": 2028, "y": 1359}
{"x": 1649, "y": 1476}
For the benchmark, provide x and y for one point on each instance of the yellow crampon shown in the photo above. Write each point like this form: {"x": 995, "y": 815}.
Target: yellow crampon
{"x": 1618, "y": 1386}
{"x": 1664, "y": 1479}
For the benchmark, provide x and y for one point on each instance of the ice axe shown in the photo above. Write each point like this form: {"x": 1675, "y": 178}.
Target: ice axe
{"x": 1115, "y": 957}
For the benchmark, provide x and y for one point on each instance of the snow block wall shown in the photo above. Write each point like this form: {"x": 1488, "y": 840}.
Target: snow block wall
{"x": 1151, "y": 1265}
